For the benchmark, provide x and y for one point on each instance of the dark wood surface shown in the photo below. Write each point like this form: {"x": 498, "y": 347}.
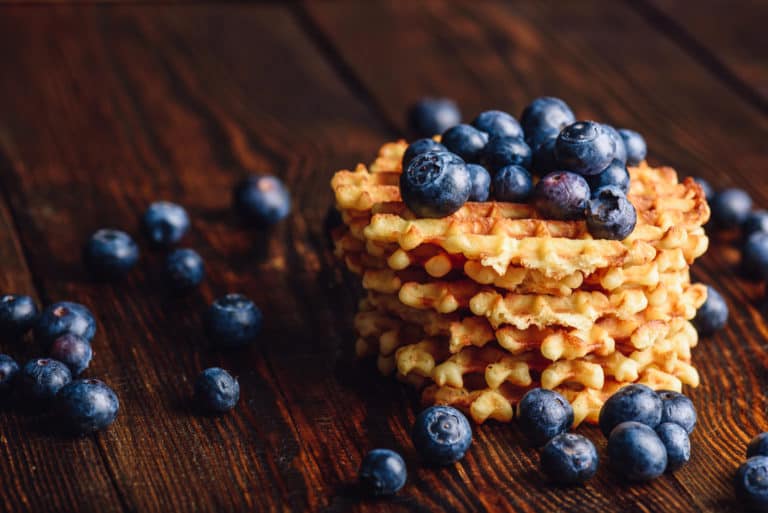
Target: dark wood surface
{"x": 104, "y": 109}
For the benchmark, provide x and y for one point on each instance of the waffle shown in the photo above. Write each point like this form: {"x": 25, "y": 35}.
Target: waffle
{"x": 476, "y": 308}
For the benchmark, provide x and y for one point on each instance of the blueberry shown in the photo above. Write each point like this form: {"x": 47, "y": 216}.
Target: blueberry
{"x": 184, "y": 269}
{"x": 610, "y": 215}
{"x": 677, "y": 408}
{"x": 496, "y": 122}
{"x": 677, "y": 443}
{"x": 430, "y": 116}
{"x": 585, "y": 147}
{"x": 73, "y": 351}
{"x": 544, "y": 160}
{"x": 17, "y": 315}
{"x": 544, "y": 118}
{"x": 110, "y": 254}
{"x": 441, "y": 435}
{"x": 41, "y": 379}
{"x": 216, "y": 391}
{"x": 621, "y": 149}
{"x": 543, "y": 414}
{"x": 165, "y": 223}
{"x": 435, "y": 184}
{"x": 261, "y": 200}
{"x": 481, "y": 182}
{"x": 382, "y": 472}
{"x": 713, "y": 314}
{"x": 754, "y": 256}
{"x": 506, "y": 151}
{"x": 756, "y": 221}
{"x": 634, "y": 402}
{"x": 615, "y": 174}
{"x": 561, "y": 195}
{"x": 730, "y": 208}
{"x": 87, "y": 405}
{"x": 752, "y": 482}
{"x": 636, "y": 453}
{"x": 64, "y": 317}
{"x": 233, "y": 321}
{"x": 465, "y": 141}
{"x": 635, "y": 146}
{"x": 420, "y": 146}
{"x": 8, "y": 371}
{"x": 512, "y": 183}
{"x": 569, "y": 459}
{"x": 709, "y": 192}
{"x": 758, "y": 446}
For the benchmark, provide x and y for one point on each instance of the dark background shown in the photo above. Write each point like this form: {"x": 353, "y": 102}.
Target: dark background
{"x": 105, "y": 108}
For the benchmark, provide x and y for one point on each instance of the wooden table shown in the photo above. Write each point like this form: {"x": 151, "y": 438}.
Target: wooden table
{"x": 104, "y": 108}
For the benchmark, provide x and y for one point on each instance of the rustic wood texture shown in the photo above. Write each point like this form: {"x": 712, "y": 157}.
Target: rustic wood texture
{"x": 107, "y": 108}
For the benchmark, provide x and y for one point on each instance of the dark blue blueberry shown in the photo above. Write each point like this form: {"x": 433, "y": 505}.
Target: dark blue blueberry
{"x": 165, "y": 223}
{"x": 709, "y": 192}
{"x": 569, "y": 459}
{"x": 544, "y": 160}
{"x": 72, "y": 350}
{"x": 441, "y": 435}
{"x": 261, "y": 200}
{"x": 216, "y": 390}
{"x": 756, "y": 221}
{"x": 730, "y": 208}
{"x": 561, "y": 195}
{"x": 610, "y": 215}
{"x": 184, "y": 269}
{"x": 382, "y": 472}
{"x": 512, "y": 183}
{"x": 615, "y": 174}
{"x": 758, "y": 446}
{"x": 585, "y": 147}
{"x": 435, "y": 184}
{"x": 8, "y": 370}
{"x": 87, "y": 405}
{"x": 110, "y": 254}
{"x": 233, "y": 321}
{"x": 636, "y": 403}
{"x": 636, "y": 453}
{"x": 752, "y": 483}
{"x": 17, "y": 315}
{"x": 677, "y": 408}
{"x": 543, "y": 414}
{"x": 754, "y": 256}
{"x": 432, "y": 116}
{"x": 712, "y": 315}
{"x": 41, "y": 379}
{"x": 420, "y": 146}
{"x": 677, "y": 443}
{"x": 544, "y": 118}
{"x": 506, "y": 151}
{"x": 635, "y": 146}
{"x": 621, "y": 149}
{"x": 64, "y": 317}
{"x": 481, "y": 182}
{"x": 465, "y": 141}
{"x": 496, "y": 122}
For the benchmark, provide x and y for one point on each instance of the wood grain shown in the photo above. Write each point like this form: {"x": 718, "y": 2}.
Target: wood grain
{"x": 107, "y": 108}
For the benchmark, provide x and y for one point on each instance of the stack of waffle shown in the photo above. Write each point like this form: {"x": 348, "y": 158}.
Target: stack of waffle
{"x": 476, "y": 308}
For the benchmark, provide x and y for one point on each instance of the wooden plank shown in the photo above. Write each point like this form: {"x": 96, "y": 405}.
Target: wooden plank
{"x": 611, "y": 66}
{"x": 728, "y": 36}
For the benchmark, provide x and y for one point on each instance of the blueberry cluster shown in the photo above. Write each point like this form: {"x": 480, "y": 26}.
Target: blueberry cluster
{"x": 51, "y": 384}
{"x": 752, "y": 476}
{"x": 441, "y": 436}
{"x": 582, "y": 165}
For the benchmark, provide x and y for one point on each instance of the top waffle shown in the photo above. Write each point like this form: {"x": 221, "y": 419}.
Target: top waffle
{"x": 669, "y": 215}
